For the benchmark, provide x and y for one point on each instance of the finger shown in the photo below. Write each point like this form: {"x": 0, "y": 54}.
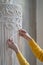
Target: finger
{"x": 9, "y": 40}
{"x": 22, "y": 31}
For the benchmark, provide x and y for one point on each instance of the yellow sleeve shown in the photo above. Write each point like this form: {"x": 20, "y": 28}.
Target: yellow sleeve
{"x": 21, "y": 59}
{"x": 38, "y": 52}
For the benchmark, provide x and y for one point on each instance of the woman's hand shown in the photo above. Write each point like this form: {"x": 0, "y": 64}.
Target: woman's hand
{"x": 24, "y": 34}
{"x": 12, "y": 45}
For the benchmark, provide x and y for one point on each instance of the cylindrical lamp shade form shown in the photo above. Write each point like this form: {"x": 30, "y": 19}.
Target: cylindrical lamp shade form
{"x": 10, "y": 23}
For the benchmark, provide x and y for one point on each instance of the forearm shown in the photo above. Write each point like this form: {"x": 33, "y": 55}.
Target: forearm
{"x": 33, "y": 45}
{"x": 21, "y": 59}
{"x": 38, "y": 52}
{"x": 16, "y": 50}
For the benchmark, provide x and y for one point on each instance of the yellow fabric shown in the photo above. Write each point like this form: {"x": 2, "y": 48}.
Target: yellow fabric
{"x": 38, "y": 52}
{"x": 21, "y": 59}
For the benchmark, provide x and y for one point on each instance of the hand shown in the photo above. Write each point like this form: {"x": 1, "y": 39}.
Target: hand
{"x": 24, "y": 34}
{"x": 12, "y": 45}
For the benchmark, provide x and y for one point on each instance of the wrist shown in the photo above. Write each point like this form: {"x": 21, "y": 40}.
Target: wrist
{"x": 16, "y": 50}
{"x": 28, "y": 37}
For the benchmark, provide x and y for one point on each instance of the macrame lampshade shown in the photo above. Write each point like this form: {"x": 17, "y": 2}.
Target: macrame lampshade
{"x": 10, "y": 23}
